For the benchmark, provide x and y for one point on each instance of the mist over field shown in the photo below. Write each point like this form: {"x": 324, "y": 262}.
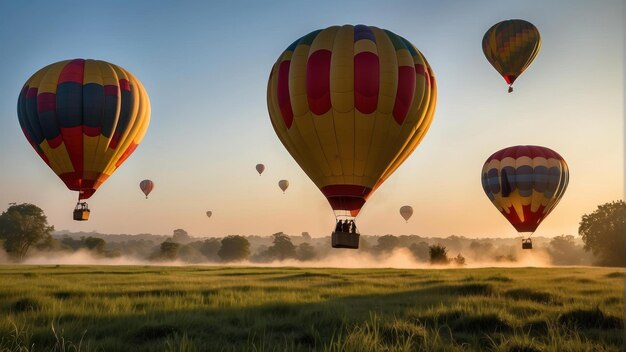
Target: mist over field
{"x": 388, "y": 251}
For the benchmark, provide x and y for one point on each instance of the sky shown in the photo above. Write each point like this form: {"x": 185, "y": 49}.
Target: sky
{"x": 205, "y": 67}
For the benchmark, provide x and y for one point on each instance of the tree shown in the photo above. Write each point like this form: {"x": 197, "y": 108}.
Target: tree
{"x": 94, "y": 244}
{"x": 22, "y": 226}
{"x": 459, "y": 260}
{"x": 282, "y": 248}
{"x": 234, "y": 248}
{"x": 479, "y": 250}
{"x": 306, "y": 236}
{"x": 190, "y": 253}
{"x": 181, "y": 236}
{"x": 421, "y": 251}
{"x": 604, "y": 233}
{"x": 209, "y": 248}
{"x": 169, "y": 250}
{"x": 564, "y": 251}
{"x": 305, "y": 252}
{"x": 387, "y": 243}
{"x": 438, "y": 254}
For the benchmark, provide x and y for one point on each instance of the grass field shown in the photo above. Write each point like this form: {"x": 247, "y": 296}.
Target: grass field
{"x": 103, "y": 308}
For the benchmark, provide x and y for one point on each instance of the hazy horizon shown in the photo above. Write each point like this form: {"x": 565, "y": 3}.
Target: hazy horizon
{"x": 205, "y": 67}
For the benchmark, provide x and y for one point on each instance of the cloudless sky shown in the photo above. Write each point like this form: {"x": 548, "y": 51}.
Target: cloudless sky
{"x": 205, "y": 66}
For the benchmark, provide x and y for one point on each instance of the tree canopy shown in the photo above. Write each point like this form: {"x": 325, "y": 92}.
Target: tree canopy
{"x": 438, "y": 254}
{"x": 604, "y": 233}
{"x": 234, "y": 248}
{"x": 169, "y": 250}
{"x": 282, "y": 248}
{"x": 22, "y": 226}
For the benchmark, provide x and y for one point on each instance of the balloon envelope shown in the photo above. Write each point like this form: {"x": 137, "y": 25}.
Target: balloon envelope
{"x": 260, "y": 168}
{"x": 84, "y": 118}
{"x": 209, "y": 213}
{"x": 510, "y": 46}
{"x": 283, "y": 184}
{"x": 525, "y": 183}
{"x": 406, "y": 212}
{"x": 350, "y": 104}
{"x": 146, "y": 187}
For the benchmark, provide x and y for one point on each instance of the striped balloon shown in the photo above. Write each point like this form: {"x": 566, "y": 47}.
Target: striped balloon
{"x": 525, "y": 183}
{"x": 146, "y": 187}
{"x": 350, "y": 104}
{"x": 84, "y": 118}
{"x": 510, "y": 46}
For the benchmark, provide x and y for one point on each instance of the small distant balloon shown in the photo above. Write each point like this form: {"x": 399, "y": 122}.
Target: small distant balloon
{"x": 406, "y": 212}
{"x": 260, "y": 168}
{"x": 283, "y": 184}
{"x": 209, "y": 213}
{"x": 146, "y": 187}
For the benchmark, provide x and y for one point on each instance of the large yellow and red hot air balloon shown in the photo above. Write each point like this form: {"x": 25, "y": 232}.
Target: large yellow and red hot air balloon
{"x": 525, "y": 183}
{"x": 350, "y": 104}
{"x": 510, "y": 46}
{"x": 84, "y": 118}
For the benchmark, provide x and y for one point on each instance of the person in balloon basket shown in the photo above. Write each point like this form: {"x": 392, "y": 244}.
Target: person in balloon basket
{"x": 345, "y": 227}
{"x": 339, "y": 226}
{"x": 352, "y": 227}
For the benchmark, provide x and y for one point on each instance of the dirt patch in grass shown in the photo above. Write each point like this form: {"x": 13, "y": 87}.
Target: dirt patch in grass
{"x": 591, "y": 319}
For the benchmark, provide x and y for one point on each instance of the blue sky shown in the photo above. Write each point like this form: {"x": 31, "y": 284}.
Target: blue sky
{"x": 205, "y": 66}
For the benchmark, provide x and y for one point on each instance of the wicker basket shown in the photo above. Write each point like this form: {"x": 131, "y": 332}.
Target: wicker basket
{"x": 345, "y": 240}
{"x": 81, "y": 215}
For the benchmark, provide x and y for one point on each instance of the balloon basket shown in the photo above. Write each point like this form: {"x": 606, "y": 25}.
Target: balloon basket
{"x": 345, "y": 240}
{"x": 527, "y": 243}
{"x": 81, "y": 212}
{"x": 81, "y": 215}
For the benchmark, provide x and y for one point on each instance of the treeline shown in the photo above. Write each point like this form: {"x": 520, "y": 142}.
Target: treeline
{"x": 453, "y": 250}
{"x": 24, "y": 231}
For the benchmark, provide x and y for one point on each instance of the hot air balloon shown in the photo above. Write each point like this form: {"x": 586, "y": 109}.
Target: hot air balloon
{"x": 406, "y": 212}
{"x": 260, "y": 168}
{"x": 283, "y": 184}
{"x": 510, "y": 46}
{"x": 209, "y": 213}
{"x": 146, "y": 187}
{"x": 350, "y": 104}
{"x": 525, "y": 183}
{"x": 84, "y": 118}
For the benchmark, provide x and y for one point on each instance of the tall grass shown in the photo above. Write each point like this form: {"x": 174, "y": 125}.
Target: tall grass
{"x": 84, "y": 308}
